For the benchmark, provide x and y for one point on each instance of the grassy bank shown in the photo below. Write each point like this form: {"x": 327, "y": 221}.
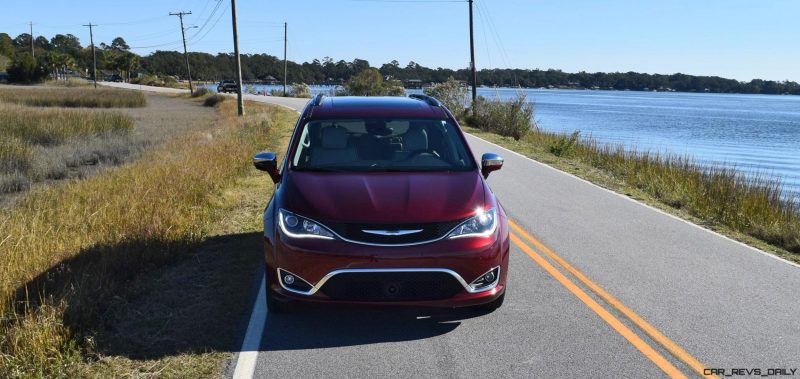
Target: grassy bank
{"x": 748, "y": 209}
{"x": 73, "y": 97}
{"x": 76, "y": 258}
{"x": 43, "y": 143}
{"x": 53, "y": 126}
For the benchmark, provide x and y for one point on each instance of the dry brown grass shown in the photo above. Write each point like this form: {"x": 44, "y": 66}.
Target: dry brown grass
{"x": 73, "y": 97}
{"x": 67, "y": 252}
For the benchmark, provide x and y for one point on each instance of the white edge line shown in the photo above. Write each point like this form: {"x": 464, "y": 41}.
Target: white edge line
{"x": 773, "y": 256}
{"x": 248, "y": 354}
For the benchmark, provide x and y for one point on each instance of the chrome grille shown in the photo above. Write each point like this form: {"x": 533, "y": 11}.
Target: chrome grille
{"x": 427, "y": 232}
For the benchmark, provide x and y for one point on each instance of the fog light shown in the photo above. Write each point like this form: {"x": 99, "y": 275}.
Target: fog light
{"x": 294, "y": 283}
{"x": 486, "y": 281}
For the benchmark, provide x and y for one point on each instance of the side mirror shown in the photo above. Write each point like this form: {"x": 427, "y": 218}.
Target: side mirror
{"x": 268, "y": 162}
{"x": 490, "y": 162}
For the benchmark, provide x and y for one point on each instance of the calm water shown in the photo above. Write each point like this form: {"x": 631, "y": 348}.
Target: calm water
{"x": 757, "y": 134}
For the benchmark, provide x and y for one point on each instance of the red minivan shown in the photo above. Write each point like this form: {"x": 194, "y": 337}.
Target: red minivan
{"x": 379, "y": 201}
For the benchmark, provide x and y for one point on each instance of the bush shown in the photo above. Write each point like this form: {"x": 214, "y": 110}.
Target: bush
{"x": 300, "y": 90}
{"x": 213, "y": 100}
{"x": 156, "y": 81}
{"x": 369, "y": 82}
{"x": 565, "y": 145}
{"x": 506, "y": 118}
{"x": 25, "y": 69}
{"x": 394, "y": 88}
{"x": 202, "y": 91}
{"x": 452, "y": 94}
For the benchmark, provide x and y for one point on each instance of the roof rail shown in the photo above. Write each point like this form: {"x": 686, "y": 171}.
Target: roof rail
{"x": 432, "y": 101}
{"x": 318, "y": 99}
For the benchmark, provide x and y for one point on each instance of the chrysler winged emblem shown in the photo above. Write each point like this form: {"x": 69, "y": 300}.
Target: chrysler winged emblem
{"x": 392, "y": 232}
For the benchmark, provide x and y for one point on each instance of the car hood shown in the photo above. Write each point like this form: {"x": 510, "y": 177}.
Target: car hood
{"x": 383, "y": 197}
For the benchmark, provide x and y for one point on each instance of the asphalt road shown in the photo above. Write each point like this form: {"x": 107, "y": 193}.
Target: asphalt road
{"x": 599, "y": 286}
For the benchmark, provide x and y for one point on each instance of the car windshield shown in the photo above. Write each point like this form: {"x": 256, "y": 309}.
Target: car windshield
{"x": 381, "y": 145}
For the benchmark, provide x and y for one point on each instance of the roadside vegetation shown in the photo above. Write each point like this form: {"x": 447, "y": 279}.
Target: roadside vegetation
{"x": 506, "y": 118}
{"x": 48, "y": 143}
{"x": 369, "y": 82}
{"x": 159, "y": 81}
{"x": 82, "y": 262}
{"x": 73, "y": 97}
{"x": 453, "y": 94}
{"x": 752, "y": 209}
{"x": 213, "y": 100}
{"x": 301, "y": 90}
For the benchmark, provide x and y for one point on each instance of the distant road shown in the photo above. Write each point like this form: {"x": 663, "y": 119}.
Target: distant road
{"x": 599, "y": 286}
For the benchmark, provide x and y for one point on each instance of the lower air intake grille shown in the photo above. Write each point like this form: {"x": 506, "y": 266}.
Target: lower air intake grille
{"x": 392, "y": 286}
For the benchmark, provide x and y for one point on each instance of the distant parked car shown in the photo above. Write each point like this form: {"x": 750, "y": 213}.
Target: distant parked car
{"x": 227, "y": 86}
{"x": 114, "y": 78}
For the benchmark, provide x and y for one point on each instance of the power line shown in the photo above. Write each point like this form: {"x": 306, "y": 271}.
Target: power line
{"x": 140, "y": 21}
{"x": 176, "y": 43}
{"x": 191, "y": 39}
{"x": 202, "y": 11}
{"x": 410, "y": 1}
{"x": 205, "y": 23}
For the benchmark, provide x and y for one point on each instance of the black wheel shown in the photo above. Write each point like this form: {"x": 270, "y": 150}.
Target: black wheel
{"x": 277, "y": 306}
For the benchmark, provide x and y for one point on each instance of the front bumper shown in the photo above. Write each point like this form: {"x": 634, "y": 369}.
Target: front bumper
{"x": 317, "y": 262}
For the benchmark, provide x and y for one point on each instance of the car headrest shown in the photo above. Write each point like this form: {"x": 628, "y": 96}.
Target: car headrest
{"x": 334, "y": 137}
{"x": 416, "y": 139}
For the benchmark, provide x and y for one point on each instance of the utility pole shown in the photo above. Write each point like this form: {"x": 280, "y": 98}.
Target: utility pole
{"x": 33, "y": 51}
{"x": 284, "y": 59}
{"x": 472, "y": 55}
{"x": 239, "y": 98}
{"x": 94, "y": 55}
{"x": 185, "y": 53}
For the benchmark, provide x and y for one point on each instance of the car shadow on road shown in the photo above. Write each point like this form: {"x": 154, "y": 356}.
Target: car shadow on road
{"x": 326, "y": 326}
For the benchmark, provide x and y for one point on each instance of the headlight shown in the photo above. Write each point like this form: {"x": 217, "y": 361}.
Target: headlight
{"x": 300, "y": 227}
{"x": 483, "y": 224}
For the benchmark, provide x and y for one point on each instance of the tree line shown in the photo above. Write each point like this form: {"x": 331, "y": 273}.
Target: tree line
{"x": 65, "y": 52}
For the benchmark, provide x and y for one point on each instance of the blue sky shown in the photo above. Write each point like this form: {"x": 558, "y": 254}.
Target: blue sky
{"x": 741, "y": 39}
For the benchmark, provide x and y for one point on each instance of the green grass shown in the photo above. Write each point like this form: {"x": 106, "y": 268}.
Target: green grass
{"x": 32, "y": 148}
{"x": 751, "y": 209}
{"x": 73, "y": 97}
{"x": 53, "y": 126}
{"x": 74, "y": 257}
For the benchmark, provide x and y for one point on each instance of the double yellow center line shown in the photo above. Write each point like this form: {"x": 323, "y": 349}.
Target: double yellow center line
{"x": 645, "y": 348}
